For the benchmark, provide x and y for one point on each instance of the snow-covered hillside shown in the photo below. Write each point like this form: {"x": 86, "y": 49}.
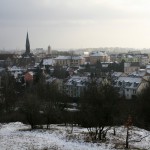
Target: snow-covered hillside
{"x": 17, "y": 136}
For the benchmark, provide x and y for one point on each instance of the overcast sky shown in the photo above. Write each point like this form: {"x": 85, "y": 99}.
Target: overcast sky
{"x": 67, "y": 24}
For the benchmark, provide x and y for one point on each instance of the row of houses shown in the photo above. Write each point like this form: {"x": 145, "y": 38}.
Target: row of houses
{"x": 92, "y": 58}
{"x": 14, "y": 59}
{"x": 131, "y": 84}
{"x": 134, "y": 56}
{"x": 128, "y": 85}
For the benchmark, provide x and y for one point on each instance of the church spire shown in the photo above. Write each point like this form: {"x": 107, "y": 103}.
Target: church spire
{"x": 27, "y": 44}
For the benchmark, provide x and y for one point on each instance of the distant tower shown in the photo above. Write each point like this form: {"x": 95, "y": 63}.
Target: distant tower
{"x": 49, "y": 50}
{"x": 27, "y": 44}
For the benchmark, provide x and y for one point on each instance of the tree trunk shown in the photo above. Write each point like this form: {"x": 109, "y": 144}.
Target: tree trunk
{"x": 114, "y": 131}
{"x": 127, "y": 138}
{"x": 47, "y": 126}
{"x": 96, "y": 132}
{"x": 32, "y": 126}
{"x": 71, "y": 127}
{"x": 100, "y": 135}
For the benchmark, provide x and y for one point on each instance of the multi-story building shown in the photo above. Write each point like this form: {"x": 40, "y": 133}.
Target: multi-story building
{"x": 7, "y": 60}
{"x": 101, "y": 56}
{"x": 131, "y": 67}
{"x": 116, "y": 75}
{"x": 129, "y": 57}
{"x": 69, "y": 60}
{"x": 130, "y": 86}
{"x": 144, "y": 59}
{"x": 75, "y": 86}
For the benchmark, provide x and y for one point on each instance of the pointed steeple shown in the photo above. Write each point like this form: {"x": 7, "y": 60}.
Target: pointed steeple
{"x": 27, "y": 44}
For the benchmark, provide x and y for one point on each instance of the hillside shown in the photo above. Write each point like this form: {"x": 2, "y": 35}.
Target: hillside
{"x": 17, "y": 136}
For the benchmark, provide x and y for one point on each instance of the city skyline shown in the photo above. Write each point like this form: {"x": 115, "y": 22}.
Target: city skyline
{"x": 66, "y": 24}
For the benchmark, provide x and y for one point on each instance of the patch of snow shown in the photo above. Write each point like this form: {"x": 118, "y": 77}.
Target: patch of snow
{"x": 17, "y": 136}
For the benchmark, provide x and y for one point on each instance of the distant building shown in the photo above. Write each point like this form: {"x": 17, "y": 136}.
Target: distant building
{"x": 131, "y": 67}
{"x": 139, "y": 73}
{"x": 116, "y": 75}
{"x": 96, "y": 56}
{"x": 40, "y": 54}
{"x": 7, "y": 60}
{"x": 28, "y": 76}
{"x": 135, "y": 56}
{"x": 57, "y": 82}
{"x": 129, "y": 87}
{"x": 69, "y": 60}
{"x": 49, "y": 50}
{"x": 27, "y": 59}
{"x": 48, "y": 62}
{"x": 144, "y": 59}
{"x": 75, "y": 86}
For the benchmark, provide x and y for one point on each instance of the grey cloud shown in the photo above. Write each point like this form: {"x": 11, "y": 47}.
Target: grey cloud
{"x": 55, "y": 10}
{"x": 76, "y": 21}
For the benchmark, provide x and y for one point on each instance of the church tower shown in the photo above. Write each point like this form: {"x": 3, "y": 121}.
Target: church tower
{"x": 27, "y": 44}
{"x": 49, "y": 50}
{"x": 27, "y": 58}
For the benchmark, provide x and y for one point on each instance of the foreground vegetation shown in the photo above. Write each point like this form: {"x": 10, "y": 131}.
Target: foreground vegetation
{"x": 98, "y": 109}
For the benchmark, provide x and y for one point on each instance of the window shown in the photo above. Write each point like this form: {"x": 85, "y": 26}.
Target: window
{"x": 134, "y": 91}
{"x": 119, "y": 83}
{"x": 136, "y": 84}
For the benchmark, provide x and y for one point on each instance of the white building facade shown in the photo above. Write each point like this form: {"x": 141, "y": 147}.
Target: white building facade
{"x": 75, "y": 86}
{"x": 130, "y": 87}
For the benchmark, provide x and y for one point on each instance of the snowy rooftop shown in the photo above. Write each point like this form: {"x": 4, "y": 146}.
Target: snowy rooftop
{"x": 117, "y": 74}
{"x": 48, "y": 61}
{"x": 129, "y": 56}
{"x": 148, "y": 66}
{"x": 148, "y": 71}
{"x": 69, "y": 57}
{"x": 2, "y": 69}
{"x": 31, "y": 73}
{"x": 50, "y": 80}
{"x": 98, "y": 53}
{"x": 139, "y": 73}
{"x": 77, "y": 80}
{"x": 14, "y": 68}
{"x": 128, "y": 82}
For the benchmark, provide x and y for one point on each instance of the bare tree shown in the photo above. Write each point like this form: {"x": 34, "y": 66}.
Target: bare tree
{"x": 128, "y": 125}
{"x": 98, "y": 105}
{"x": 31, "y": 109}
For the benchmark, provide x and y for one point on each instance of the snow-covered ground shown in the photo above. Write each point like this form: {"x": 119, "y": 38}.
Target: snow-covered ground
{"x": 17, "y": 136}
